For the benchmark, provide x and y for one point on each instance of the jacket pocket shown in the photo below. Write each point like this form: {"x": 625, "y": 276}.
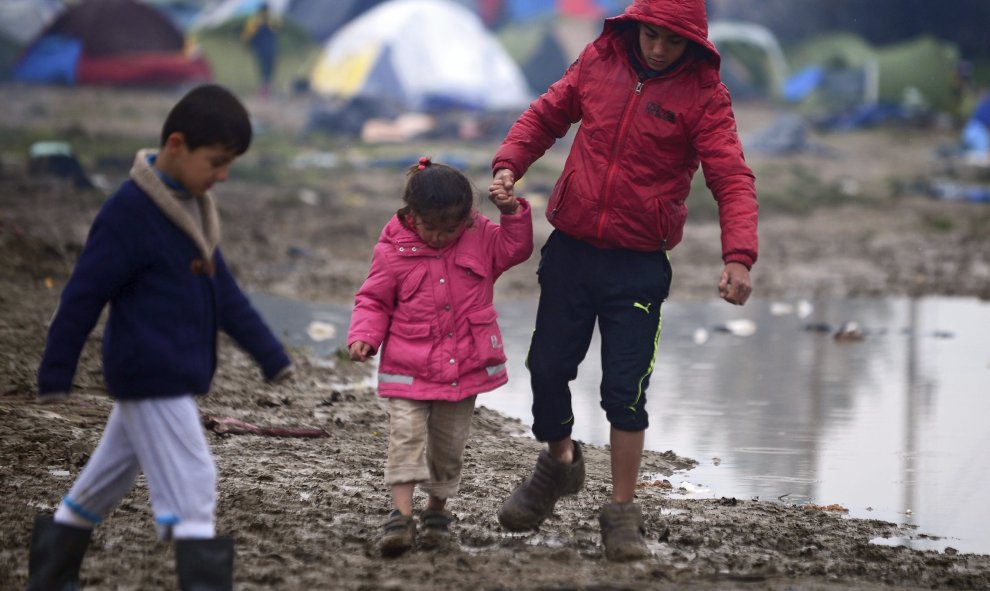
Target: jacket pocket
{"x": 663, "y": 223}
{"x": 472, "y": 265}
{"x": 410, "y": 283}
{"x": 407, "y": 349}
{"x": 559, "y": 197}
{"x": 487, "y": 337}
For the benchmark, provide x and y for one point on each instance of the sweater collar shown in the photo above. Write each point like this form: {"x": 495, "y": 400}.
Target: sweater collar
{"x": 166, "y": 199}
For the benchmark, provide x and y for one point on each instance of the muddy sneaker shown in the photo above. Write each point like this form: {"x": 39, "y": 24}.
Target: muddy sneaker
{"x": 622, "y": 532}
{"x": 398, "y": 534}
{"x": 435, "y": 529}
{"x": 533, "y": 500}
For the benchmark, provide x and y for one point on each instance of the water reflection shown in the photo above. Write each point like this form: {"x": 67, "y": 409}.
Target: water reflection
{"x": 892, "y": 426}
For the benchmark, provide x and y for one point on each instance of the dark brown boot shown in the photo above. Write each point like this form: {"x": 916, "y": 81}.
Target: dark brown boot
{"x": 533, "y": 500}
{"x": 622, "y": 532}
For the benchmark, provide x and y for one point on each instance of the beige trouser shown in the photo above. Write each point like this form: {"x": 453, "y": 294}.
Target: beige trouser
{"x": 426, "y": 443}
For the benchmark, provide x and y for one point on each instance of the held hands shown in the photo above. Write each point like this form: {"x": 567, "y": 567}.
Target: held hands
{"x": 501, "y": 191}
{"x": 734, "y": 286}
{"x": 360, "y": 351}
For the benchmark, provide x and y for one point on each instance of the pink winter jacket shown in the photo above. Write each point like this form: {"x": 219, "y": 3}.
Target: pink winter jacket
{"x": 629, "y": 170}
{"x": 431, "y": 312}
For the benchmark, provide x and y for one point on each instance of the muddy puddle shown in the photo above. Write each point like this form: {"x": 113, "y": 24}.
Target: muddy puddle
{"x": 877, "y": 406}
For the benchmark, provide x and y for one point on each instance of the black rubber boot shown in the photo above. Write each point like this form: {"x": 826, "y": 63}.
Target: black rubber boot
{"x": 57, "y": 552}
{"x": 533, "y": 500}
{"x": 205, "y": 565}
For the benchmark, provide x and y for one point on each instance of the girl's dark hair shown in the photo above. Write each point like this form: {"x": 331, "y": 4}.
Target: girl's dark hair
{"x": 437, "y": 192}
{"x": 210, "y": 115}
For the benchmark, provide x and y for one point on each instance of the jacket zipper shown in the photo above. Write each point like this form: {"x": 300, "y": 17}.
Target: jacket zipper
{"x": 612, "y": 165}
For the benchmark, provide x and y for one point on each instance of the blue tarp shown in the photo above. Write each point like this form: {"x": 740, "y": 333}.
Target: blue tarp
{"x": 799, "y": 86}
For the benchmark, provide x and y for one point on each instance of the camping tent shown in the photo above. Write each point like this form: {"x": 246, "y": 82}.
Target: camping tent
{"x": 753, "y": 64}
{"x": 842, "y": 72}
{"x": 110, "y": 42}
{"x": 319, "y": 18}
{"x": 20, "y": 21}
{"x": 423, "y": 55}
{"x": 181, "y": 12}
{"x": 925, "y": 64}
{"x": 497, "y": 13}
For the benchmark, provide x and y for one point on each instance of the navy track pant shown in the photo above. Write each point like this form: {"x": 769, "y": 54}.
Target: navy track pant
{"x": 620, "y": 289}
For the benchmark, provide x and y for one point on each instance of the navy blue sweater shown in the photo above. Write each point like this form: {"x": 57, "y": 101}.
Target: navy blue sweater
{"x": 160, "y": 337}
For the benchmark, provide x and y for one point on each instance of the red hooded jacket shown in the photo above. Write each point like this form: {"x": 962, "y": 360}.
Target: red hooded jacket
{"x": 629, "y": 171}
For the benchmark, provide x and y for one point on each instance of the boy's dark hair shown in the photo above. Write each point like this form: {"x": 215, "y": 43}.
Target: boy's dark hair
{"x": 437, "y": 192}
{"x": 210, "y": 115}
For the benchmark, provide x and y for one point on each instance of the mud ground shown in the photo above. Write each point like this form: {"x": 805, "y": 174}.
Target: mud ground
{"x": 305, "y": 511}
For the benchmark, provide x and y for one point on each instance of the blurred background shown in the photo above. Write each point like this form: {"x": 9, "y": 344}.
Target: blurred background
{"x": 378, "y": 73}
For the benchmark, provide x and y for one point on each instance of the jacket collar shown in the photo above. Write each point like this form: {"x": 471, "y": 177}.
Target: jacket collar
{"x": 166, "y": 199}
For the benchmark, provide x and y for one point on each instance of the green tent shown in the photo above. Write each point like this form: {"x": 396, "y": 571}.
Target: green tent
{"x": 920, "y": 71}
{"x": 753, "y": 63}
{"x": 925, "y": 64}
{"x": 832, "y": 49}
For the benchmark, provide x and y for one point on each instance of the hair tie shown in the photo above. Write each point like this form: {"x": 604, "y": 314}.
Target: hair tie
{"x": 423, "y": 163}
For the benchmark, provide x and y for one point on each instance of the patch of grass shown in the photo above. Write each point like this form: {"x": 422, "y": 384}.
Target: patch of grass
{"x": 937, "y": 222}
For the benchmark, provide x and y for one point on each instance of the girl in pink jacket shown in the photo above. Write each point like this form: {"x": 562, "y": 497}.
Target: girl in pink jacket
{"x": 427, "y": 305}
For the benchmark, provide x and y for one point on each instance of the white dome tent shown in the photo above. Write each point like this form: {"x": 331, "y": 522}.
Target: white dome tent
{"x": 420, "y": 55}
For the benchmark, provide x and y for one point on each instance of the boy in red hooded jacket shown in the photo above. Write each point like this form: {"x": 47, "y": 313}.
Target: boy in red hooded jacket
{"x": 652, "y": 108}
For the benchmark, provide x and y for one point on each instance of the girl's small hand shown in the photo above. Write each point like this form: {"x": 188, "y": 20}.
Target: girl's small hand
{"x": 501, "y": 192}
{"x": 507, "y": 204}
{"x": 359, "y": 351}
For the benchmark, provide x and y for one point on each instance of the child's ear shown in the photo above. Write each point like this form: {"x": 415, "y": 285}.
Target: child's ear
{"x": 174, "y": 142}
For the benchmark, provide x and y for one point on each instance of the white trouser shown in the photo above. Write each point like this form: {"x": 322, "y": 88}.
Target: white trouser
{"x": 162, "y": 437}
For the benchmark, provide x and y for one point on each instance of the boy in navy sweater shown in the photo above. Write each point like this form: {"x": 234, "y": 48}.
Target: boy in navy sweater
{"x": 152, "y": 254}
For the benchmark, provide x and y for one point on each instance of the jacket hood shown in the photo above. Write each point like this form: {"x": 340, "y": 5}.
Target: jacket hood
{"x": 687, "y": 18}
{"x": 395, "y": 233}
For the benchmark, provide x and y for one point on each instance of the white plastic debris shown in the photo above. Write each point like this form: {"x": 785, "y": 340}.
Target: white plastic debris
{"x": 781, "y": 309}
{"x": 741, "y": 327}
{"x": 321, "y": 331}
